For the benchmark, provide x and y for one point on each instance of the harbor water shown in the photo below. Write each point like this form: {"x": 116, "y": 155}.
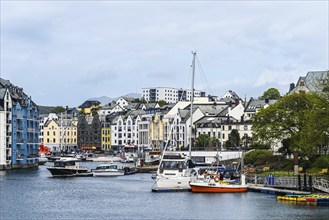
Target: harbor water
{"x": 35, "y": 194}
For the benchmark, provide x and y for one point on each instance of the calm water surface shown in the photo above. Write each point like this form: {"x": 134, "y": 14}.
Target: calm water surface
{"x": 34, "y": 194}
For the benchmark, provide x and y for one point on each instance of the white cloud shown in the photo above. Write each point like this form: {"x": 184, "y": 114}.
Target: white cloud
{"x": 243, "y": 46}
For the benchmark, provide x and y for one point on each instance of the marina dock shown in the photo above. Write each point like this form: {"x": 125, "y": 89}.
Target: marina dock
{"x": 274, "y": 191}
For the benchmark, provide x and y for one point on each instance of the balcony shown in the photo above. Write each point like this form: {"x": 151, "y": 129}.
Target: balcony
{"x": 20, "y": 157}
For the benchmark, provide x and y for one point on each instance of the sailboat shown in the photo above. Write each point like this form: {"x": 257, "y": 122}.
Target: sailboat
{"x": 175, "y": 169}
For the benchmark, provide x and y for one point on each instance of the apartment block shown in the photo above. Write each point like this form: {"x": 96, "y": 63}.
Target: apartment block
{"x": 169, "y": 95}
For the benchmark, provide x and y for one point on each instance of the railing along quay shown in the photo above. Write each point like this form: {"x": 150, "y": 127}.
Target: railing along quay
{"x": 300, "y": 182}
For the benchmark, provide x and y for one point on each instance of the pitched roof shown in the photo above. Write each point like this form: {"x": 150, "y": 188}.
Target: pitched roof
{"x": 215, "y": 122}
{"x": 89, "y": 103}
{"x": 312, "y": 81}
{"x": 2, "y": 93}
{"x": 256, "y": 104}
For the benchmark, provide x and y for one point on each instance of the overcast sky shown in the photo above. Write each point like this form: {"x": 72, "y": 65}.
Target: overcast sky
{"x": 63, "y": 53}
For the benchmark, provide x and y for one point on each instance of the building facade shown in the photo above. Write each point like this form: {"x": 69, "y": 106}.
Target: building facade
{"x": 5, "y": 128}
{"x": 89, "y": 133}
{"x": 22, "y": 127}
{"x": 169, "y": 95}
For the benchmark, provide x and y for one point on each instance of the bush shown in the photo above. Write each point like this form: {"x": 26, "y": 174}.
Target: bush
{"x": 321, "y": 162}
{"x": 253, "y": 156}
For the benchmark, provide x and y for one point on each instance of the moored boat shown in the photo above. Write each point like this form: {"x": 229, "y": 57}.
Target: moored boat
{"x": 173, "y": 173}
{"x": 109, "y": 169}
{"x": 66, "y": 167}
{"x": 42, "y": 160}
{"x": 130, "y": 170}
{"x": 213, "y": 184}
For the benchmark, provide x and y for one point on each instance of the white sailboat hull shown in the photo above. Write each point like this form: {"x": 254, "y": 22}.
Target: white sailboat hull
{"x": 163, "y": 184}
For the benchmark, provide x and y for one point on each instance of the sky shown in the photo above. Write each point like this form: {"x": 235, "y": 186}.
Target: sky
{"x": 65, "y": 52}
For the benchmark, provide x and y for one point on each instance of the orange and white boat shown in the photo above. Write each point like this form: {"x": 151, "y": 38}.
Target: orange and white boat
{"x": 212, "y": 184}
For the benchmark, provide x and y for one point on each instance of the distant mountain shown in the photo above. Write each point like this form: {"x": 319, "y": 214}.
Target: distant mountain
{"x": 106, "y": 100}
{"x": 103, "y": 99}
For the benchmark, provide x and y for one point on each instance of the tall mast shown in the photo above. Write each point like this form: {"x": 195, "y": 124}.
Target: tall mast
{"x": 192, "y": 99}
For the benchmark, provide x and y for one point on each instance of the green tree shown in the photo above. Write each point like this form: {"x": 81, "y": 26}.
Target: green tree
{"x": 271, "y": 93}
{"x": 213, "y": 143}
{"x": 285, "y": 149}
{"x": 291, "y": 117}
{"x": 202, "y": 142}
{"x": 162, "y": 103}
{"x": 233, "y": 142}
{"x": 58, "y": 109}
{"x": 253, "y": 156}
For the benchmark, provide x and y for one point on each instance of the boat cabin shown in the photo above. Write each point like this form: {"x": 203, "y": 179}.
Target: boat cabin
{"x": 64, "y": 163}
{"x": 107, "y": 166}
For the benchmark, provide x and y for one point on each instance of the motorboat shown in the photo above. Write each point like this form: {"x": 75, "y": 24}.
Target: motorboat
{"x": 81, "y": 157}
{"x": 213, "y": 183}
{"x": 42, "y": 160}
{"x": 130, "y": 170}
{"x": 109, "y": 169}
{"x": 66, "y": 167}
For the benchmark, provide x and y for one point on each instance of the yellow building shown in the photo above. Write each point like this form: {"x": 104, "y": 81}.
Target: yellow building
{"x": 59, "y": 136}
{"x": 51, "y": 132}
{"x": 106, "y": 138}
{"x": 70, "y": 137}
{"x": 88, "y": 107}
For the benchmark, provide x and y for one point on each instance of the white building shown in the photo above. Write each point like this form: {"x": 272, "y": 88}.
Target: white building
{"x": 42, "y": 121}
{"x": 169, "y": 95}
{"x": 5, "y": 128}
{"x": 124, "y": 128}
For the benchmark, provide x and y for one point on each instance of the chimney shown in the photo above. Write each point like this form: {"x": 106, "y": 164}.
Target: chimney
{"x": 292, "y": 86}
{"x": 267, "y": 101}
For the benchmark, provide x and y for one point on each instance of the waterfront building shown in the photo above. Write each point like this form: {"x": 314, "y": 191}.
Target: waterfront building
{"x": 144, "y": 131}
{"x": 43, "y": 118}
{"x": 106, "y": 134}
{"x": 5, "y": 128}
{"x": 59, "y": 132}
{"x": 125, "y": 128}
{"x": 169, "y": 95}
{"x": 51, "y": 136}
{"x": 89, "y": 133}
{"x": 156, "y": 131}
{"x": 24, "y": 129}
